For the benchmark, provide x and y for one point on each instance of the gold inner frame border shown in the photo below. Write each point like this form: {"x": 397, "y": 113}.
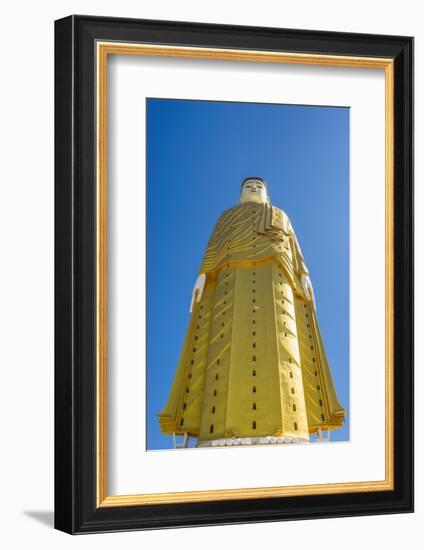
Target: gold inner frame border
{"x": 103, "y": 50}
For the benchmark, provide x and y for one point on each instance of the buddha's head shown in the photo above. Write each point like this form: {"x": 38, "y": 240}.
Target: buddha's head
{"x": 254, "y": 190}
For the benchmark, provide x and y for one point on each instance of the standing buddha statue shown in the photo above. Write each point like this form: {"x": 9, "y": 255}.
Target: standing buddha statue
{"x": 253, "y": 367}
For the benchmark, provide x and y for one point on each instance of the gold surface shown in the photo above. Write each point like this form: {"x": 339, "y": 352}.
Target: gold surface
{"x": 104, "y": 49}
{"x": 122, "y": 48}
{"x": 253, "y": 363}
{"x": 390, "y": 267}
{"x": 101, "y": 211}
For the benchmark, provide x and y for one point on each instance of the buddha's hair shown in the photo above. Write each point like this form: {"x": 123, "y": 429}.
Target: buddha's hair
{"x": 255, "y": 178}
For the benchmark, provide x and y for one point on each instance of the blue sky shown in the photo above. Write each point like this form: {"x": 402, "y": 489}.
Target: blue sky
{"x": 198, "y": 153}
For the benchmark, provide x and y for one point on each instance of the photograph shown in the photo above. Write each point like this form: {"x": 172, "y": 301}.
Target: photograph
{"x": 247, "y": 273}
{"x": 233, "y": 274}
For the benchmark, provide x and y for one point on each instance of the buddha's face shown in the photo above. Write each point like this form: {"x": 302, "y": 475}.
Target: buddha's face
{"x": 254, "y": 191}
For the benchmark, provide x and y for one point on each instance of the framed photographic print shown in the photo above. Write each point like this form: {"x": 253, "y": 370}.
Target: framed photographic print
{"x": 234, "y": 273}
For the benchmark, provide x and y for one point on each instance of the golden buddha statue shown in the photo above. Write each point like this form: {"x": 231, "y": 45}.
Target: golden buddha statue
{"x": 253, "y": 367}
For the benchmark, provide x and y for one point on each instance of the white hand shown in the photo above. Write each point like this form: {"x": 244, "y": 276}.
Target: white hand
{"x": 308, "y": 289}
{"x": 199, "y": 285}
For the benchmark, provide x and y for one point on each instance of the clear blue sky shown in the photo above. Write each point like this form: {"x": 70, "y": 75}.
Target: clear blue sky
{"x": 198, "y": 152}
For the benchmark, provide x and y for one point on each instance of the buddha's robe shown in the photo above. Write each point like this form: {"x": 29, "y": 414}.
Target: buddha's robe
{"x": 253, "y": 362}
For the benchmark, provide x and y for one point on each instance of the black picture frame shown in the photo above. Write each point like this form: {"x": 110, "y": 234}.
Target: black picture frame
{"x": 76, "y": 509}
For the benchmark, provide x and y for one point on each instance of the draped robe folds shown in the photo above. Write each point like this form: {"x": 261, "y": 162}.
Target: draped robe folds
{"x": 253, "y": 363}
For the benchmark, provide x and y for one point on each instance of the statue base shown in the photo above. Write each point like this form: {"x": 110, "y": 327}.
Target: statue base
{"x": 268, "y": 440}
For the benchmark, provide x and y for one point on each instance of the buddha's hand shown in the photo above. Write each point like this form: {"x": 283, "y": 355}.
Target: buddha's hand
{"x": 308, "y": 289}
{"x": 198, "y": 290}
